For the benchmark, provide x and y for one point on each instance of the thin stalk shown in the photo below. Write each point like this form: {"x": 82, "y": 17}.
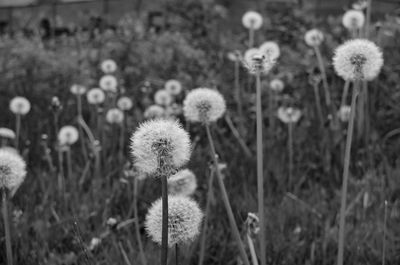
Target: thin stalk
{"x": 74, "y": 182}
{"x": 61, "y": 179}
{"x": 271, "y": 116}
{"x": 252, "y": 250}
{"x": 323, "y": 73}
{"x": 238, "y": 137}
{"x": 290, "y": 149}
{"x": 368, "y": 19}
{"x": 239, "y": 96}
{"x": 260, "y": 170}
{"x": 7, "y": 228}
{"x": 346, "y": 168}
{"x": 318, "y": 104}
{"x": 345, "y": 93}
{"x": 176, "y": 254}
{"x": 136, "y": 218}
{"x": 121, "y": 141}
{"x": 251, "y": 38}
{"x": 164, "y": 229}
{"x": 80, "y": 117}
{"x": 124, "y": 255}
{"x": 384, "y": 235}
{"x": 225, "y": 199}
{"x": 17, "y": 129}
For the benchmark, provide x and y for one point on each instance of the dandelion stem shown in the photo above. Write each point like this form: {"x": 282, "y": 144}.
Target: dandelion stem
{"x": 136, "y": 218}
{"x": 176, "y": 254}
{"x": 239, "y": 96}
{"x": 384, "y": 235}
{"x": 318, "y": 104}
{"x": 346, "y": 168}
{"x": 80, "y": 118}
{"x": 290, "y": 148}
{"x": 345, "y": 93}
{"x": 252, "y": 250}
{"x": 61, "y": 180}
{"x": 225, "y": 199}
{"x": 7, "y": 227}
{"x": 164, "y": 231}
{"x": 17, "y": 129}
{"x": 260, "y": 169}
{"x": 368, "y": 18}
{"x": 251, "y": 38}
{"x": 323, "y": 73}
{"x": 124, "y": 255}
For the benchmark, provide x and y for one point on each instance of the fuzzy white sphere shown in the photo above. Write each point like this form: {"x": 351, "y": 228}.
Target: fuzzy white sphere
{"x": 353, "y": 19}
{"x": 289, "y": 114}
{"x": 108, "y": 66}
{"x": 344, "y": 113}
{"x": 12, "y": 169}
{"x": 257, "y": 61}
{"x": 7, "y": 133}
{"x": 20, "y": 105}
{"x": 78, "y": 89}
{"x": 182, "y": 183}
{"x": 277, "y": 85}
{"x": 162, "y": 98}
{"x": 314, "y": 37}
{"x": 204, "y": 105}
{"x": 184, "y": 220}
{"x": 95, "y": 96}
{"x": 114, "y": 116}
{"x": 68, "y": 135}
{"x": 270, "y": 49}
{"x": 124, "y": 103}
{"x": 108, "y": 83}
{"x": 252, "y": 20}
{"x": 174, "y": 87}
{"x": 154, "y": 112}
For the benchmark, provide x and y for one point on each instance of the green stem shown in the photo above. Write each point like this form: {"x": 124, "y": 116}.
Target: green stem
{"x": 239, "y": 97}
{"x": 7, "y": 228}
{"x": 252, "y": 250}
{"x": 164, "y": 229}
{"x": 368, "y": 18}
{"x": 318, "y": 104}
{"x": 345, "y": 93}
{"x": 17, "y": 130}
{"x": 323, "y": 73}
{"x": 251, "y": 38}
{"x": 176, "y": 254}
{"x": 136, "y": 218}
{"x": 384, "y": 235}
{"x": 271, "y": 117}
{"x": 290, "y": 148}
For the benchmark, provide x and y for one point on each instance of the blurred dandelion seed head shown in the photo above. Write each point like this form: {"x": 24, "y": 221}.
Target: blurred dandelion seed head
{"x": 184, "y": 220}
{"x": 270, "y": 49}
{"x": 182, "y": 183}
{"x": 154, "y": 112}
{"x": 204, "y": 105}
{"x": 114, "y": 116}
{"x": 253, "y": 223}
{"x": 78, "y": 89}
{"x": 358, "y": 59}
{"x": 68, "y": 135}
{"x": 234, "y": 56}
{"x": 353, "y": 19}
{"x": 108, "y": 83}
{"x": 95, "y": 96}
{"x": 163, "y": 98}
{"x": 289, "y": 114}
{"x": 277, "y": 85}
{"x": 12, "y": 169}
{"x": 108, "y": 66}
{"x": 7, "y": 133}
{"x": 124, "y": 103}
{"x": 344, "y": 113}
{"x": 20, "y": 106}
{"x": 252, "y": 20}
{"x": 314, "y": 37}
{"x": 173, "y": 87}
{"x": 259, "y": 63}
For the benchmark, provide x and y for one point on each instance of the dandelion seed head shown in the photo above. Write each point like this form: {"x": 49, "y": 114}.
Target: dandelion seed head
{"x": 277, "y": 85}
{"x": 270, "y": 49}
{"x": 12, "y": 169}
{"x": 160, "y": 143}
{"x": 184, "y": 220}
{"x": 154, "y": 112}
{"x": 20, "y": 105}
{"x": 344, "y": 113}
{"x": 182, "y": 183}
{"x": 124, "y": 103}
{"x": 7, "y": 133}
{"x": 68, "y": 135}
{"x": 95, "y": 96}
{"x": 353, "y": 19}
{"x": 257, "y": 62}
{"x": 252, "y": 20}
{"x": 162, "y": 98}
{"x": 114, "y": 116}
{"x": 204, "y": 105}
{"x": 234, "y": 56}
{"x": 108, "y": 83}
{"x": 289, "y": 114}
{"x": 314, "y": 37}
{"x": 108, "y": 66}
{"x": 358, "y": 59}
{"x": 173, "y": 87}
{"x": 78, "y": 89}
{"x": 94, "y": 243}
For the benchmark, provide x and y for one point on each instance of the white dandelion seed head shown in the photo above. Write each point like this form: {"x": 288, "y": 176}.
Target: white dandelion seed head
{"x": 160, "y": 141}
{"x": 353, "y": 19}
{"x": 108, "y": 83}
{"x": 108, "y": 66}
{"x": 7, "y": 133}
{"x": 154, "y": 112}
{"x": 162, "y": 98}
{"x": 277, "y": 85}
{"x": 68, "y": 135}
{"x": 271, "y": 49}
{"x": 204, "y": 105}
{"x": 174, "y": 87}
{"x": 184, "y": 220}
{"x": 257, "y": 62}
{"x": 182, "y": 183}
{"x": 252, "y": 20}
{"x": 20, "y": 106}
{"x": 114, "y": 116}
{"x": 124, "y": 103}
{"x": 289, "y": 114}
{"x": 358, "y": 59}
{"x": 94, "y": 243}
{"x": 12, "y": 169}
{"x": 95, "y": 96}
{"x": 360, "y": 5}
{"x": 314, "y": 37}
{"x": 234, "y": 56}
{"x": 344, "y": 113}
{"x": 78, "y": 89}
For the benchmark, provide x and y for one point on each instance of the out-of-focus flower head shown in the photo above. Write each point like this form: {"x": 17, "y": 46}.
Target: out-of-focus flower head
{"x": 344, "y": 113}
{"x": 12, "y": 169}
{"x": 112, "y": 222}
{"x": 68, "y": 135}
{"x": 252, "y": 20}
{"x": 289, "y": 114}
{"x": 108, "y": 83}
{"x": 7, "y": 133}
{"x": 252, "y": 223}
{"x": 270, "y": 49}
{"x": 182, "y": 183}
{"x": 353, "y": 19}
{"x": 234, "y": 56}
{"x": 78, "y": 89}
{"x": 173, "y": 87}
{"x": 162, "y": 98}
{"x": 108, "y": 66}
{"x": 184, "y": 220}
{"x": 154, "y": 112}
{"x": 314, "y": 37}
{"x": 94, "y": 243}
{"x": 358, "y": 59}
{"x": 360, "y": 5}
{"x": 277, "y": 85}
{"x": 56, "y": 104}
{"x": 160, "y": 147}
{"x": 248, "y": 55}
{"x": 258, "y": 62}
{"x": 124, "y": 103}
{"x": 204, "y": 105}
{"x": 95, "y": 96}
{"x": 114, "y": 116}
{"x": 20, "y": 106}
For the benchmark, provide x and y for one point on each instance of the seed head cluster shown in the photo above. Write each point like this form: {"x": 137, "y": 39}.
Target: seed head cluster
{"x": 12, "y": 169}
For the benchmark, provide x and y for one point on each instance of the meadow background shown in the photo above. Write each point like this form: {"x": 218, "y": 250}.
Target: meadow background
{"x": 192, "y": 45}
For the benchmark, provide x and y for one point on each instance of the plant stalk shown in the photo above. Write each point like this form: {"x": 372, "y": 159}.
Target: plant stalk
{"x": 17, "y": 130}
{"x": 136, "y": 218}
{"x": 324, "y": 78}
{"x": 7, "y": 227}
{"x": 290, "y": 148}
{"x": 164, "y": 229}
{"x": 252, "y": 250}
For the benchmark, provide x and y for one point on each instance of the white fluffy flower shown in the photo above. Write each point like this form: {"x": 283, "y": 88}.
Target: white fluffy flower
{"x": 182, "y": 183}
{"x": 154, "y": 112}
{"x": 20, "y": 105}
{"x": 124, "y": 103}
{"x": 7, "y": 133}
{"x": 358, "y": 59}
{"x": 252, "y": 20}
{"x": 314, "y": 37}
{"x": 184, "y": 220}
{"x": 344, "y": 113}
{"x": 204, "y": 105}
{"x": 162, "y": 98}
{"x": 248, "y": 55}
{"x": 12, "y": 169}
{"x": 95, "y": 96}
{"x": 94, "y": 243}
{"x": 78, "y": 89}
{"x": 353, "y": 19}
{"x": 108, "y": 83}
{"x": 257, "y": 61}
{"x": 289, "y": 114}
{"x": 270, "y": 49}
{"x": 158, "y": 142}
{"x": 68, "y": 135}
{"x": 108, "y": 66}
{"x": 114, "y": 115}
{"x": 277, "y": 85}
{"x": 174, "y": 87}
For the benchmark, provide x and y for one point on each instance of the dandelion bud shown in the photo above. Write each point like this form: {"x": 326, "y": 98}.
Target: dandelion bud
{"x": 7, "y": 133}
{"x": 314, "y": 37}
{"x": 182, "y": 183}
{"x": 12, "y": 169}
{"x": 154, "y": 112}
{"x": 173, "y": 87}
{"x": 124, "y": 103}
{"x": 252, "y": 20}
{"x": 162, "y": 98}
{"x": 160, "y": 146}
{"x": 20, "y": 105}
{"x": 277, "y": 85}
{"x": 114, "y": 116}
{"x": 270, "y": 49}
{"x": 353, "y": 19}
{"x": 358, "y": 59}
{"x": 108, "y": 66}
{"x": 204, "y": 105}
{"x": 289, "y": 114}
{"x": 184, "y": 220}
{"x": 108, "y": 83}
{"x": 344, "y": 113}
{"x": 95, "y": 96}
{"x": 78, "y": 89}
{"x": 68, "y": 135}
